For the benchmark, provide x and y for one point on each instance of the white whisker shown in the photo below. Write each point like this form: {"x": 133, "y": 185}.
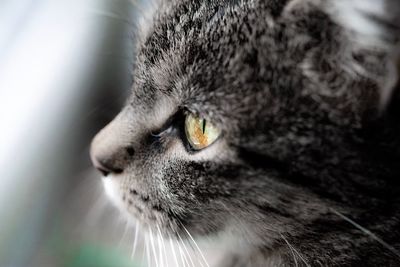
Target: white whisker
{"x": 194, "y": 242}
{"x": 183, "y": 255}
{"x": 163, "y": 246}
{"x": 187, "y": 251}
{"x": 161, "y": 256}
{"x": 291, "y": 250}
{"x": 147, "y": 248}
{"x": 153, "y": 249}
{"x": 144, "y": 249}
{"x": 191, "y": 249}
{"x": 367, "y": 232}
{"x": 135, "y": 240}
{"x": 173, "y": 250}
{"x": 123, "y": 234}
{"x": 297, "y": 252}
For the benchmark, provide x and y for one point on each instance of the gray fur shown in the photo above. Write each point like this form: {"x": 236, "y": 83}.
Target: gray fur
{"x": 298, "y": 95}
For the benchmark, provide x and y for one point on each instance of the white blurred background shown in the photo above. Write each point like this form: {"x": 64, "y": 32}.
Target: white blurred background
{"x": 64, "y": 72}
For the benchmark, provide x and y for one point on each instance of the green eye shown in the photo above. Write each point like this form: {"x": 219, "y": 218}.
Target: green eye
{"x": 199, "y": 132}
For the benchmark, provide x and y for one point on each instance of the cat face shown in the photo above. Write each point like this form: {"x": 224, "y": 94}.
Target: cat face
{"x": 287, "y": 84}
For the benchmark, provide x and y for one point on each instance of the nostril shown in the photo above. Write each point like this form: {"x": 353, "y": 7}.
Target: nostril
{"x": 105, "y": 167}
{"x": 103, "y": 171}
{"x": 130, "y": 151}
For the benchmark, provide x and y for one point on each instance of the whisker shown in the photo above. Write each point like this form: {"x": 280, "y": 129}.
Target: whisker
{"x": 192, "y": 250}
{"x": 239, "y": 221}
{"x": 185, "y": 248}
{"x": 367, "y": 232}
{"x": 143, "y": 249}
{"x": 153, "y": 249}
{"x": 183, "y": 255}
{"x": 179, "y": 241}
{"x": 173, "y": 250}
{"x": 297, "y": 252}
{"x": 161, "y": 259}
{"x": 291, "y": 250}
{"x": 195, "y": 243}
{"x": 135, "y": 240}
{"x": 123, "y": 234}
{"x": 147, "y": 251}
{"x": 163, "y": 246}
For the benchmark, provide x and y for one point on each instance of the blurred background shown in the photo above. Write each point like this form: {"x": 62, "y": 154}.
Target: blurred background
{"x": 64, "y": 73}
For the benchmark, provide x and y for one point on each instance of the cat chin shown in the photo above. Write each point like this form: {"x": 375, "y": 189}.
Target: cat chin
{"x": 111, "y": 189}
{"x": 228, "y": 237}
{"x": 147, "y": 218}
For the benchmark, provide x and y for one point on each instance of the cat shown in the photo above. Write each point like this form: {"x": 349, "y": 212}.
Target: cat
{"x": 277, "y": 121}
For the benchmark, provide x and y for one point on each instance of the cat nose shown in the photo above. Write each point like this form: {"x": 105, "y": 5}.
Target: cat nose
{"x": 109, "y": 158}
{"x": 111, "y": 150}
{"x": 105, "y": 166}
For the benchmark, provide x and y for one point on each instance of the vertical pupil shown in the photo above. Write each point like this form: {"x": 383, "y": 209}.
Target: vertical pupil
{"x": 204, "y": 126}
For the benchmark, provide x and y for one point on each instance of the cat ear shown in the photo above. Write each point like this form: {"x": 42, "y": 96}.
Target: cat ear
{"x": 373, "y": 31}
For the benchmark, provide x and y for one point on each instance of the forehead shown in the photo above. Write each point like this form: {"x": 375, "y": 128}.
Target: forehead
{"x": 217, "y": 56}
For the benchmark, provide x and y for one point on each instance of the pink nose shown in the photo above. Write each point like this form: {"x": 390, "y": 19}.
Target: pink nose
{"x": 112, "y": 149}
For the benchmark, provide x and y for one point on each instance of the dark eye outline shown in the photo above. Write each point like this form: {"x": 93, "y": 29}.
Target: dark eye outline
{"x": 167, "y": 127}
{"x": 175, "y": 125}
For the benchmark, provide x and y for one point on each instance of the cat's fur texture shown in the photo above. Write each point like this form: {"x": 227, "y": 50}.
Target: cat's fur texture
{"x": 304, "y": 92}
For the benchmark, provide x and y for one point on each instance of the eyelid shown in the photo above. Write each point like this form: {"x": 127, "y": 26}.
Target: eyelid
{"x": 162, "y": 130}
{"x": 167, "y": 126}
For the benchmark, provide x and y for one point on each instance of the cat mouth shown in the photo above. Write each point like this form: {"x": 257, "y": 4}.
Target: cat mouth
{"x": 141, "y": 203}
{"x": 172, "y": 218}
{"x": 134, "y": 203}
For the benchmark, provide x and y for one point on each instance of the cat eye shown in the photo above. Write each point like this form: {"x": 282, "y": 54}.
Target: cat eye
{"x": 200, "y": 133}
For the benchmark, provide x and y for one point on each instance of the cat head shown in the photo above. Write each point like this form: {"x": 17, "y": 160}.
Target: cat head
{"x": 280, "y": 91}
